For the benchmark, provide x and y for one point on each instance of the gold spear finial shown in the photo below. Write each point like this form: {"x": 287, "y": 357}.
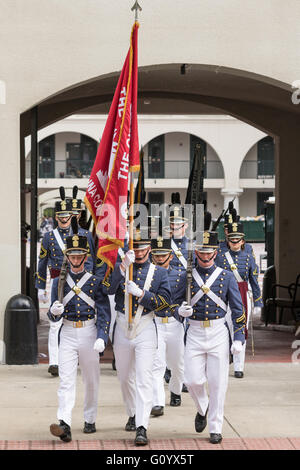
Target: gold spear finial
{"x": 137, "y": 8}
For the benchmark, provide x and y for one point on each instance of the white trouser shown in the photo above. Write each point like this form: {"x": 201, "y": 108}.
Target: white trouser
{"x": 239, "y": 359}
{"x": 206, "y": 359}
{"x": 170, "y": 351}
{"x": 134, "y": 363}
{"x": 76, "y": 346}
{"x": 53, "y": 337}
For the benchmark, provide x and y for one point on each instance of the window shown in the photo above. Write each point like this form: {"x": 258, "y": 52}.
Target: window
{"x": 47, "y": 157}
{"x": 156, "y": 157}
{"x": 265, "y": 158}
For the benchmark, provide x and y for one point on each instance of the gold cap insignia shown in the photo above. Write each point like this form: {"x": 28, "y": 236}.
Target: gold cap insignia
{"x": 205, "y": 238}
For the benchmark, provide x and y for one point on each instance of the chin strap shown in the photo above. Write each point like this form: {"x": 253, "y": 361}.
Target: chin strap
{"x": 143, "y": 257}
{"x": 76, "y": 265}
{"x": 164, "y": 262}
{"x": 205, "y": 260}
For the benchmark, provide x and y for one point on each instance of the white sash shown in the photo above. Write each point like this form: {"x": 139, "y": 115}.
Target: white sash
{"x": 59, "y": 239}
{"x": 121, "y": 253}
{"x": 178, "y": 253}
{"x": 132, "y": 332}
{"x": 233, "y": 267}
{"x": 80, "y": 294}
{"x": 205, "y": 288}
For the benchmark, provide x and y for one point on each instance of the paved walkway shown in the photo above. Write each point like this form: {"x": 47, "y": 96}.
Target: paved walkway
{"x": 261, "y": 411}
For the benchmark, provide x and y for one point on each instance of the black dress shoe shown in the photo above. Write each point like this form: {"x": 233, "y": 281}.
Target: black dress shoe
{"x": 141, "y": 437}
{"x": 200, "y": 422}
{"x": 113, "y": 364}
{"x": 175, "y": 399}
{"x": 157, "y": 411}
{"x": 238, "y": 374}
{"x": 215, "y": 438}
{"x": 89, "y": 428}
{"x": 61, "y": 430}
{"x": 53, "y": 370}
{"x": 130, "y": 425}
{"x": 167, "y": 375}
{"x": 184, "y": 389}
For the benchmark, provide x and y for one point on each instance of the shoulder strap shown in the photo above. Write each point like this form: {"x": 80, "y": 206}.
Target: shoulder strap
{"x": 58, "y": 239}
{"x": 178, "y": 253}
{"x": 233, "y": 267}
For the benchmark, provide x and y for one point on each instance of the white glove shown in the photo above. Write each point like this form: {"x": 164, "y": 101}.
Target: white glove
{"x": 42, "y": 295}
{"x": 257, "y": 310}
{"x": 133, "y": 288}
{"x": 57, "y": 308}
{"x": 185, "y": 310}
{"x": 99, "y": 345}
{"x": 236, "y": 347}
{"x": 128, "y": 259}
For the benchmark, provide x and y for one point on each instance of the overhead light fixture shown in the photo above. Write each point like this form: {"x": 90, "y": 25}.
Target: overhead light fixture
{"x": 147, "y": 101}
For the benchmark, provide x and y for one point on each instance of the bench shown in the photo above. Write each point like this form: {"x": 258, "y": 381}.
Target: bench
{"x": 291, "y": 302}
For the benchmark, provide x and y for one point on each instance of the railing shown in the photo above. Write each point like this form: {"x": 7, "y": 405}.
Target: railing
{"x": 177, "y": 169}
{"x": 257, "y": 169}
{"x": 173, "y": 169}
{"x": 62, "y": 169}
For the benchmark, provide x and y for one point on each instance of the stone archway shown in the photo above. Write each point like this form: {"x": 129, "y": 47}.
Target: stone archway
{"x": 258, "y": 100}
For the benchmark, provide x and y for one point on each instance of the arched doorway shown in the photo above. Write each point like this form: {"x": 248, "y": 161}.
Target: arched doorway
{"x": 207, "y": 89}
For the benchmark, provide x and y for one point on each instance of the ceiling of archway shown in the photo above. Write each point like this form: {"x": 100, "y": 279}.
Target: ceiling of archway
{"x": 163, "y": 89}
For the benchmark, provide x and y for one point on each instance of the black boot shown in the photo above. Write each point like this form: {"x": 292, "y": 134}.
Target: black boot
{"x": 89, "y": 428}
{"x": 157, "y": 411}
{"x": 53, "y": 370}
{"x": 141, "y": 437}
{"x": 184, "y": 388}
{"x": 200, "y": 422}
{"x": 238, "y": 374}
{"x": 130, "y": 425}
{"x": 61, "y": 430}
{"x": 215, "y": 438}
{"x": 175, "y": 399}
{"x": 167, "y": 375}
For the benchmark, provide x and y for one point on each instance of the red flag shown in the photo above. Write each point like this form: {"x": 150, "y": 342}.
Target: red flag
{"x": 117, "y": 155}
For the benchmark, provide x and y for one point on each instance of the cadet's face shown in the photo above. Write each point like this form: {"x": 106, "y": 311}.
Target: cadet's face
{"x": 162, "y": 260}
{"x": 77, "y": 262}
{"x": 178, "y": 230}
{"x": 63, "y": 222}
{"x": 205, "y": 259}
{"x": 141, "y": 255}
{"x": 235, "y": 244}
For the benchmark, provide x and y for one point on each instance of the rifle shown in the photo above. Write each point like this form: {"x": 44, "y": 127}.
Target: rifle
{"x": 62, "y": 279}
{"x": 223, "y": 213}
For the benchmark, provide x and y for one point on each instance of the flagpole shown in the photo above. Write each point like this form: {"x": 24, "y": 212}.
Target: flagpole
{"x": 131, "y": 193}
{"x": 136, "y": 7}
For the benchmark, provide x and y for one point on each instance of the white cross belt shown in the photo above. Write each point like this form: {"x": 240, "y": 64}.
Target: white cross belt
{"x": 205, "y": 288}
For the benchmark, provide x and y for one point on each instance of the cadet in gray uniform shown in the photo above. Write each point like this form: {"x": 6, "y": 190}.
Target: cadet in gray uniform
{"x": 135, "y": 347}
{"x": 206, "y": 358}
{"x": 85, "y": 315}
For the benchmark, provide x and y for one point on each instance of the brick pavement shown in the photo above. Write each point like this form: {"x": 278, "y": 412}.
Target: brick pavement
{"x": 196, "y": 444}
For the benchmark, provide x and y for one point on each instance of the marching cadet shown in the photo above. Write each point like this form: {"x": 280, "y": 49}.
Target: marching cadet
{"x": 243, "y": 266}
{"x": 85, "y": 314}
{"x": 206, "y": 357}
{"x": 135, "y": 342}
{"x": 170, "y": 335}
{"x": 180, "y": 247}
{"x": 223, "y": 246}
{"x": 51, "y": 256}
